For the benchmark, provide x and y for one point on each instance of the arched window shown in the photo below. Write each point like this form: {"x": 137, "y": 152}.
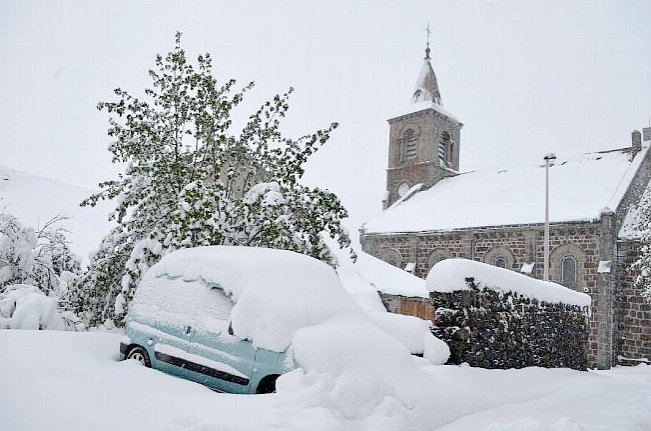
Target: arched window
{"x": 444, "y": 148}
{"x": 409, "y": 146}
{"x": 391, "y": 256}
{"x": 568, "y": 272}
{"x": 451, "y": 153}
{"x": 499, "y": 255}
{"x": 436, "y": 256}
{"x": 500, "y": 262}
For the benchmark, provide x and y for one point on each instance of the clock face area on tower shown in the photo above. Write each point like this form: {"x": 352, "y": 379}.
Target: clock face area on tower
{"x": 403, "y": 189}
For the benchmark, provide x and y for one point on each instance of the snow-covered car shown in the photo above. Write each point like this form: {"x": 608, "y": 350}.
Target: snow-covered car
{"x": 23, "y": 306}
{"x": 225, "y": 316}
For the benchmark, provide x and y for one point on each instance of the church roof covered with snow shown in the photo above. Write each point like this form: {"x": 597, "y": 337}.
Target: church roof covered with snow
{"x": 579, "y": 190}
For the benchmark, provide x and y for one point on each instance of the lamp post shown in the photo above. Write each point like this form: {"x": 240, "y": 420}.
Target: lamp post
{"x": 548, "y": 157}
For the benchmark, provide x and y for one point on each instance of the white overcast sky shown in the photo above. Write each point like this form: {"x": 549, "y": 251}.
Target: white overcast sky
{"x": 525, "y": 77}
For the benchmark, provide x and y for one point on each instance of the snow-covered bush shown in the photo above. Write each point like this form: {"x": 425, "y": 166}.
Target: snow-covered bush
{"x": 38, "y": 258}
{"x": 190, "y": 181}
{"x": 25, "y": 307}
{"x": 496, "y": 318}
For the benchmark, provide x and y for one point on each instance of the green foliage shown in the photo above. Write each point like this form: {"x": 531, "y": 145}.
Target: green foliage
{"x": 491, "y": 328}
{"x": 643, "y": 264}
{"x": 189, "y": 181}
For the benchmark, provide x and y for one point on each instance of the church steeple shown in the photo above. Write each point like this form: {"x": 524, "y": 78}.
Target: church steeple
{"x": 424, "y": 139}
{"x": 427, "y": 89}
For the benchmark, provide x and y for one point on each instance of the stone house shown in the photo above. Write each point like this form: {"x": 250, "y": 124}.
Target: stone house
{"x": 433, "y": 212}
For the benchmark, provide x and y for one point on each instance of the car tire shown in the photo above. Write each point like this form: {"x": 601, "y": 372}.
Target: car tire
{"x": 267, "y": 385}
{"x": 139, "y": 354}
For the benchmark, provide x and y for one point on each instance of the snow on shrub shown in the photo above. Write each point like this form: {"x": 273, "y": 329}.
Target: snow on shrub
{"x": 38, "y": 258}
{"x": 26, "y": 307}
{"x": 450, "y": 275}
{"x": 286, "y": 300}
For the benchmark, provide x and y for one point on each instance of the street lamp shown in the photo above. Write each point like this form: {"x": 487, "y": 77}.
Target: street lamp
{"x": 548, "y": 158}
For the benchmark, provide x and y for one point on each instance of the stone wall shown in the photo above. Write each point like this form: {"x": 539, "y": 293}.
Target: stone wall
{"x": 491, "y": 329}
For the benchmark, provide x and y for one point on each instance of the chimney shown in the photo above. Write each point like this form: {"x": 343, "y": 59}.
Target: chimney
{"x": 636, "y": 142}
{"x": 646, "y": 134}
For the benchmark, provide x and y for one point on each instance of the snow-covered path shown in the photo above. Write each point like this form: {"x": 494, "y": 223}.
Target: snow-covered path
{"x": 62, "y": 381}
{"x": 538, "y": 399}
{"x": 71, "y": 381}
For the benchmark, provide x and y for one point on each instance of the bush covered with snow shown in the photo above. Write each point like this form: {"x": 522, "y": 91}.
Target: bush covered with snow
{"x": 495, "y": 318}
{"x": 26, "y": 307}
{"x": 39, "y": 258}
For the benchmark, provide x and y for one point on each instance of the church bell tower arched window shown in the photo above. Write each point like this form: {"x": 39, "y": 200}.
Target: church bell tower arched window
{"x": 409, "y": 146}
{"x": 444, "y": 148}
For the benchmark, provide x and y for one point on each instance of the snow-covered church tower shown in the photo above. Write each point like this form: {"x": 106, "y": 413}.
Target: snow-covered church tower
{"x": 423, "y": 140}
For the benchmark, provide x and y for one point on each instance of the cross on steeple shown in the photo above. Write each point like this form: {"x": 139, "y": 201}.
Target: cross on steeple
{"x": 427, "y": 47}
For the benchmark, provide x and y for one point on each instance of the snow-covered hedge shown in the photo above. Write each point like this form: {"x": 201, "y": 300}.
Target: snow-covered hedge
{"x": 495, "y": 318}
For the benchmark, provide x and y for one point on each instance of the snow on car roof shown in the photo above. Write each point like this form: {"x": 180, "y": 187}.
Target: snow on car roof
{"x": 275, "y": 291}
{"x": 580, "y": 189}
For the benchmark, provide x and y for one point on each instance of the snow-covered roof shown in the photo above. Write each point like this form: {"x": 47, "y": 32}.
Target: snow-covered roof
{"x": 421, "y": 106}
{"x": 427, "y": 88}
{"x": 579, "y": 190}
{"x": 450, "y": 275}
{"x": 383, "y": 277}
{"x": 630, "y": 228}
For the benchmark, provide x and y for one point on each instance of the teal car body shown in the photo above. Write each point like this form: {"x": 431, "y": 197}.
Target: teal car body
{"x": 197, "y": 342}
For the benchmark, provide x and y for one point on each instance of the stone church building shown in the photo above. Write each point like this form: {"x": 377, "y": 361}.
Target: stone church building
{"x": 432, "y": 211}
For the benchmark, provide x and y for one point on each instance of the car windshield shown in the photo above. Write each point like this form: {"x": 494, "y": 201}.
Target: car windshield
{"x": 204, "y": 307}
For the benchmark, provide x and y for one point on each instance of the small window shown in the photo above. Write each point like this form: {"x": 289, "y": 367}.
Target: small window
{"x": 409, "y": 146}
{"x": 568, "y": 272}
{"x": 444, "y": 148}
{"x": 500, "y": 262}
{"x": 450, "y": 153}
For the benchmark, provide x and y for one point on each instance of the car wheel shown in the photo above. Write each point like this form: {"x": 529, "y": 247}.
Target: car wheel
{"x": 139, "y": 354}
{"x": 267, "y": 385}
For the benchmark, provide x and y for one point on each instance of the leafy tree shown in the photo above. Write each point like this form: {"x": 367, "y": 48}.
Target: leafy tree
{"x": 38, "y": 258}
{"x": 643, "y": 264}
{"x": 189, "y": 181}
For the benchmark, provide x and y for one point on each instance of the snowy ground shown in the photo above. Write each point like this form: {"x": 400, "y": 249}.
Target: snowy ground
{"x": 71, "y": 381}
